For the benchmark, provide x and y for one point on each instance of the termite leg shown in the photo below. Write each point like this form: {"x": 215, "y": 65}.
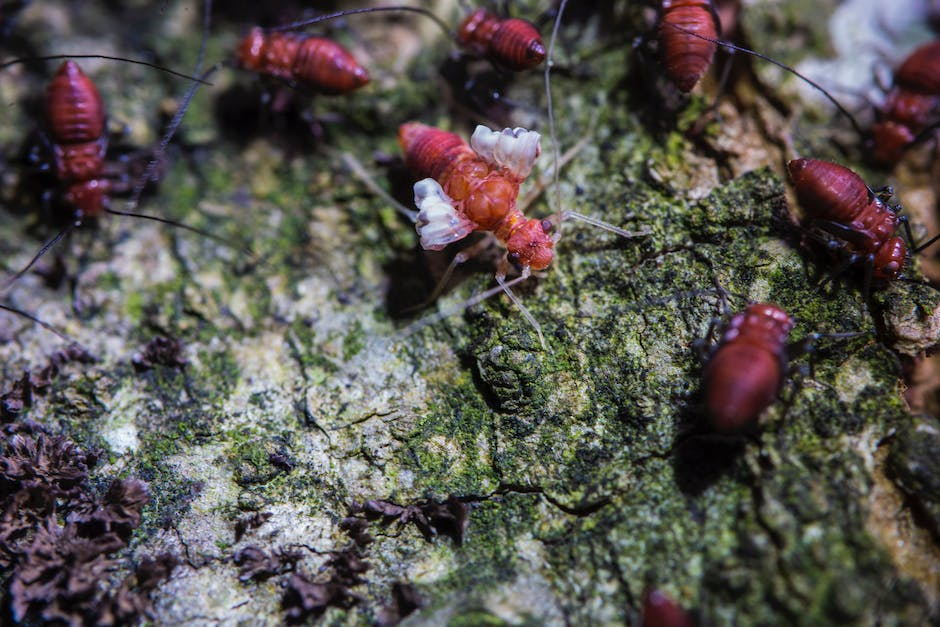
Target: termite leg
{"x": 501, "y": 279}
{"x": 460, "y": 258}
{"x": 549, "y": 177}
{"x": 42, "y": 251}
{"x": 360, "y": 172}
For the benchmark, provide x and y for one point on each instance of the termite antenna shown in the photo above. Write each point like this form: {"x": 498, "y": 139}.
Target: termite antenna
{"x": 926, "y": 244}
{"x": 434, "y": 318}
{"x": 186, "y": 227}
{"x": 177, "y": 119}
{"x": 360, "y": 172}
{"x": 605, "y": 225}
{"x": 783, "y": 66}
{"x": 54, "y": 57}
{"x": 42, "y": 251}
{"x": 522, "y": 308}
{"x": 332, "y": 16}
{"x": 45, "y": 325}
{"x": 168, "y": 134}
{"x": 552, "y": 131}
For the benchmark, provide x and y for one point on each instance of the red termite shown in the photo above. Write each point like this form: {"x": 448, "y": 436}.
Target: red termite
{"x": 312, "y": 62}
{"x": 746, "y": 370}
{"x": 905, "y": 117}
{"x": 907, "y": 109}
{"x": 466, "y": 189}
{"x": 661, "y": 611}
{"x": 77, "y": 137}
{"x": 838, "y": 202}
{"x": 686, "y": 31}
{"x": 512, "y": 43}
{"x": 75, "y": 117}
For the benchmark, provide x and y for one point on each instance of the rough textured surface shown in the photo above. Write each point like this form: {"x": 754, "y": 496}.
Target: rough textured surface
{"x": 582, "y": 470}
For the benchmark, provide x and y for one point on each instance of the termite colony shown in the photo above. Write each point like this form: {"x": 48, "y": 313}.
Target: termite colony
{"x": 399, "y": 182}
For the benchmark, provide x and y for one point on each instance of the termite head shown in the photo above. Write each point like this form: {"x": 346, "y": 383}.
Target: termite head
{"x": 888, "y": 141}
{"x": 889, "y": 260}
{"x": 530, "y": 245}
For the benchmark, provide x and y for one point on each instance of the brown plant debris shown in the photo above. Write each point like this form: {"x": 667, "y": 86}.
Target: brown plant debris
{"x": 57, "y": 537}
{"x": 160, "y": 351}
{"x": 447, "y": 518}
{"x": 249, "y": 523}
{"x": 20, "y": 396}
{"x": 258, "y": 565}
{"x": 405, "y": 600}
{"x": 306, "y": 598}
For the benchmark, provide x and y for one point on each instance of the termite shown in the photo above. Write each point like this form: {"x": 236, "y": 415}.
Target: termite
{"x": 748, "y": 365}
{"x": 746, "y": 370}
{"x": 686, "y": 31}
{"x": 466, "y": 188}
{"x": 75, "y": 119}
{"x": 509, "y": 43}
{"x": 76, "y": 136}
{"x": 837, "y": 202}
{"x": 905, "y": 116}
{"x": 316, "y": 63}
{"x": 463, "y": 189}
{"x": 661, "y": 611}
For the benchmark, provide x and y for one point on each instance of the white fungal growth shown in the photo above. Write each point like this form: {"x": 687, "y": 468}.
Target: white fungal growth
{"x": 438, "y": 222}
{"x": 515, "y": 149}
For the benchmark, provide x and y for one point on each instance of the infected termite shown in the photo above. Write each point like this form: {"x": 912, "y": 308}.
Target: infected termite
{"x": 469, "y": 188}
{"x": 464, "y": 188}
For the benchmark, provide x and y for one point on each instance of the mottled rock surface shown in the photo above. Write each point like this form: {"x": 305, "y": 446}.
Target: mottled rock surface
{"x": 313, "y": 449}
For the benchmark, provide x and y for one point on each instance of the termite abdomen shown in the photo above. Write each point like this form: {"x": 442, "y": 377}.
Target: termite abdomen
{"x": 828, "y": 191}
{"x": 74, "y": 109}
{"x": 685, "y": 57}
{"x": 511, "y": 43}
{"x": 837, "y": 201}
{"x": 745, "y": 372}
{"x": 428, "y": 152}
{"x": 313, "y": 62}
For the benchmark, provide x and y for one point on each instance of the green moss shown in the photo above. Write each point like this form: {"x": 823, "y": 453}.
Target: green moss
{"x": 354, "y": 341}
